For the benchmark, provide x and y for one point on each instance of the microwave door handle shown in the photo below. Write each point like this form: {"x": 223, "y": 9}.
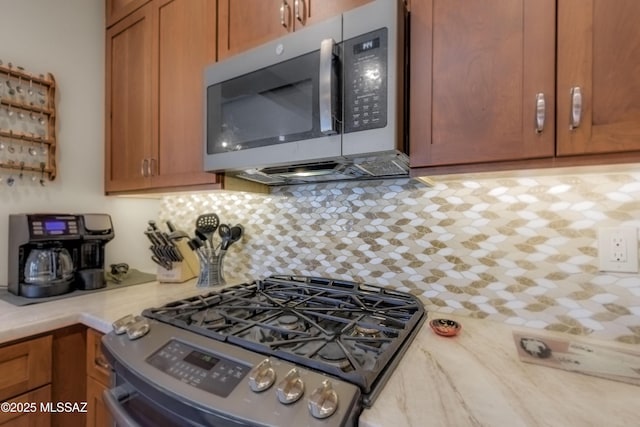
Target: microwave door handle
{"x": 326, "y": 85}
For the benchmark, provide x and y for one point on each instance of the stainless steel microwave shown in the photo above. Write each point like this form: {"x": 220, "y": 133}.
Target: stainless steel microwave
{"x": 323, "y": 103}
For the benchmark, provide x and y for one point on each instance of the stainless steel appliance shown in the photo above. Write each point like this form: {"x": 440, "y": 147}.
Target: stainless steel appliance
{"x": 285, "y": 351}
{"x": 323, "y": 103}
{"x": 52, "y": 254}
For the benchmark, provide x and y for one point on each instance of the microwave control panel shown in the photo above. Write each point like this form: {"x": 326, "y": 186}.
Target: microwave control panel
{"x": 365, "y": 84}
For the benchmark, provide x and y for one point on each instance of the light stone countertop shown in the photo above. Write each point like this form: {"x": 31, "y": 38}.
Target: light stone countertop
{"x": 477, "y": 379}
{"x": 474, "y": 379}
{"x": 97, "y": 309}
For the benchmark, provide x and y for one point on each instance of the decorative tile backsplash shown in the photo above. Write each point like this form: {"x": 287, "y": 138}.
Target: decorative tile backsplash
{"x": 520, "y": 250}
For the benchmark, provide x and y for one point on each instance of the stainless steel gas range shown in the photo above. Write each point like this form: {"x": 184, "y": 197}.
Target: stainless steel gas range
{"x": 284, "y": 351}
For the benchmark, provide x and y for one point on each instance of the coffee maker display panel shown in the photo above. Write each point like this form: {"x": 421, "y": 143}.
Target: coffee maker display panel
{"x": 53, "y": 226}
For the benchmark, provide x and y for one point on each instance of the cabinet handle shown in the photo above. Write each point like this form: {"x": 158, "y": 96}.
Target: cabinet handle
{"x": 101, "y": 361}
{"x": 300, "y": 10}
{"x": 284, "y": 14}
{"x": 541, "y": 111}
{"x": 153, "y": 166}
{"x": 144, "y": 167}
{"x": 576, "y": 107}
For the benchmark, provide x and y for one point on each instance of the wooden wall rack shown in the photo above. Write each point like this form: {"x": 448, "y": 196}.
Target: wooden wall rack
{"x": 27, "y": 124}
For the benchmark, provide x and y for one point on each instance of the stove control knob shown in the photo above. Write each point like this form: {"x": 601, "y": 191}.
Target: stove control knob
{"x": 262, "y": 376}
{"x": 323, "y": 402}
{"x": 291, "y": 388}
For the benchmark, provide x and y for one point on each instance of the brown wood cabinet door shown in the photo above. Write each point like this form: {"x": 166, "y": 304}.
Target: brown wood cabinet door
{"x": 97, "y": 413}
{"x": 476, "y": 68}
{"x": 35, "y": 418}
{"x": 118, "y": 9}
{"x": 130, "y": 79}
{"x": 187, "y": 43}
{"x": 97, "y": 365}
{"x": 599, "y": 52}
{"x": 309, "y": 12}
{"x": 25, "y": 366}
{"x": 243, "y": 24}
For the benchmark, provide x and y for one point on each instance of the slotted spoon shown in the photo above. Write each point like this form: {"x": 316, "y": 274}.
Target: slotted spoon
{"x": 207, "y": 224}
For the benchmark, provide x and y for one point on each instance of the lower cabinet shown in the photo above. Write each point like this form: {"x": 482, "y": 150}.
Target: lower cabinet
{"x": 25, "y": 382}
{"x": 25, "y": 410}
{"x": 98, "y": 380}
{"x": 54, "y": 379}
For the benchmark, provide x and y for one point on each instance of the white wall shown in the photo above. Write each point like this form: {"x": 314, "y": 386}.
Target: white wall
{"x": 66, "y": 38}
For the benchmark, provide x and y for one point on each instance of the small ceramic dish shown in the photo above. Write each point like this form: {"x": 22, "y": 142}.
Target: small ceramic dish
{"x": 445, "y": 327}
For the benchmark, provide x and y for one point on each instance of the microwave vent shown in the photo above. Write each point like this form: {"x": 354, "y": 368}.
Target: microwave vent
{"x": 384, "y": 166}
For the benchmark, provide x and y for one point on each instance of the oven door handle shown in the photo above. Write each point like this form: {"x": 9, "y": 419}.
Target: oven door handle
{"x": 112, "y": 398}
{"x": 327, "y": 87}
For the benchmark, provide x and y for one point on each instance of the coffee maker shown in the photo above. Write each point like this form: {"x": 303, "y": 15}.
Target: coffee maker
{"x": 52, "y": 254}
{"x": 97, "y": 231}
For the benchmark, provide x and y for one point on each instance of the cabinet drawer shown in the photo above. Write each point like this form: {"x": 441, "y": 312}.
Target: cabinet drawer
{"x": 97, "y": 366}
{"x": 25, "y": 366}
{"x": 28, "y": 419}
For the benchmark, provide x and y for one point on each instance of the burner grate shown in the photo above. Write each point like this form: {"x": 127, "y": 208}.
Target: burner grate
{"x": 353, "y": 331}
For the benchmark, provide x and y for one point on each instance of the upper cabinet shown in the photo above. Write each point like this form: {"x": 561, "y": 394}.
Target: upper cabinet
{"x": 598, "y": 76}
{"x": 243, "y": 24}
{"x": 118, "y": 9}
{"x": 155, "y": 57}
{"x": 477, "y": 68}
{"x": 485, "y": 84}
{"x": 128, "y": 101}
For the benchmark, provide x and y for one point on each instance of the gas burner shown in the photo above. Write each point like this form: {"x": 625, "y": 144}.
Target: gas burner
{"x": 280, "y": 329}
{"x": 209, "y": 317}
{"x": 332, "y": 354}
{"x": 362, "y": 331}
{"x": 290, "y": 322}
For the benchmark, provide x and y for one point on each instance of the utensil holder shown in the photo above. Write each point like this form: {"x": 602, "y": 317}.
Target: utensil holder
{"x": 211, "y": 268}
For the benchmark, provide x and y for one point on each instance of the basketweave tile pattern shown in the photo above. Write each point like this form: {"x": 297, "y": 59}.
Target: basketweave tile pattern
{"x": 520, "y": 250}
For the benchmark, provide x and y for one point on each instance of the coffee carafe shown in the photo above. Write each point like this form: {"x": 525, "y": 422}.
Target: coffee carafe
{"x": 47, "y": 265}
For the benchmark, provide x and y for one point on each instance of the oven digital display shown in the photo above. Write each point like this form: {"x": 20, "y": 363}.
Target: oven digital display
{"x": 55, "y": 226}
{"x": 217, "y": 375}
{"x": 202, "y": 360}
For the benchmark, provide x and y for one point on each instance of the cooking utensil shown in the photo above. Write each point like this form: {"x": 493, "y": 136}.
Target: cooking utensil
{"x": 208, "y": 224}
{"x": 225, "y": 234}
{"x": 202, "y": 237}
{"x": 237, "y": 231}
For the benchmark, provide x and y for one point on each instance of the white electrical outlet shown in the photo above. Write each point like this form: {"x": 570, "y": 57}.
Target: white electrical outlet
{"x": 618, "y": 249}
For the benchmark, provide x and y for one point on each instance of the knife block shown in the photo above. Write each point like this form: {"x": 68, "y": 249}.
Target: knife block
{"x": 182, "y": 271}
